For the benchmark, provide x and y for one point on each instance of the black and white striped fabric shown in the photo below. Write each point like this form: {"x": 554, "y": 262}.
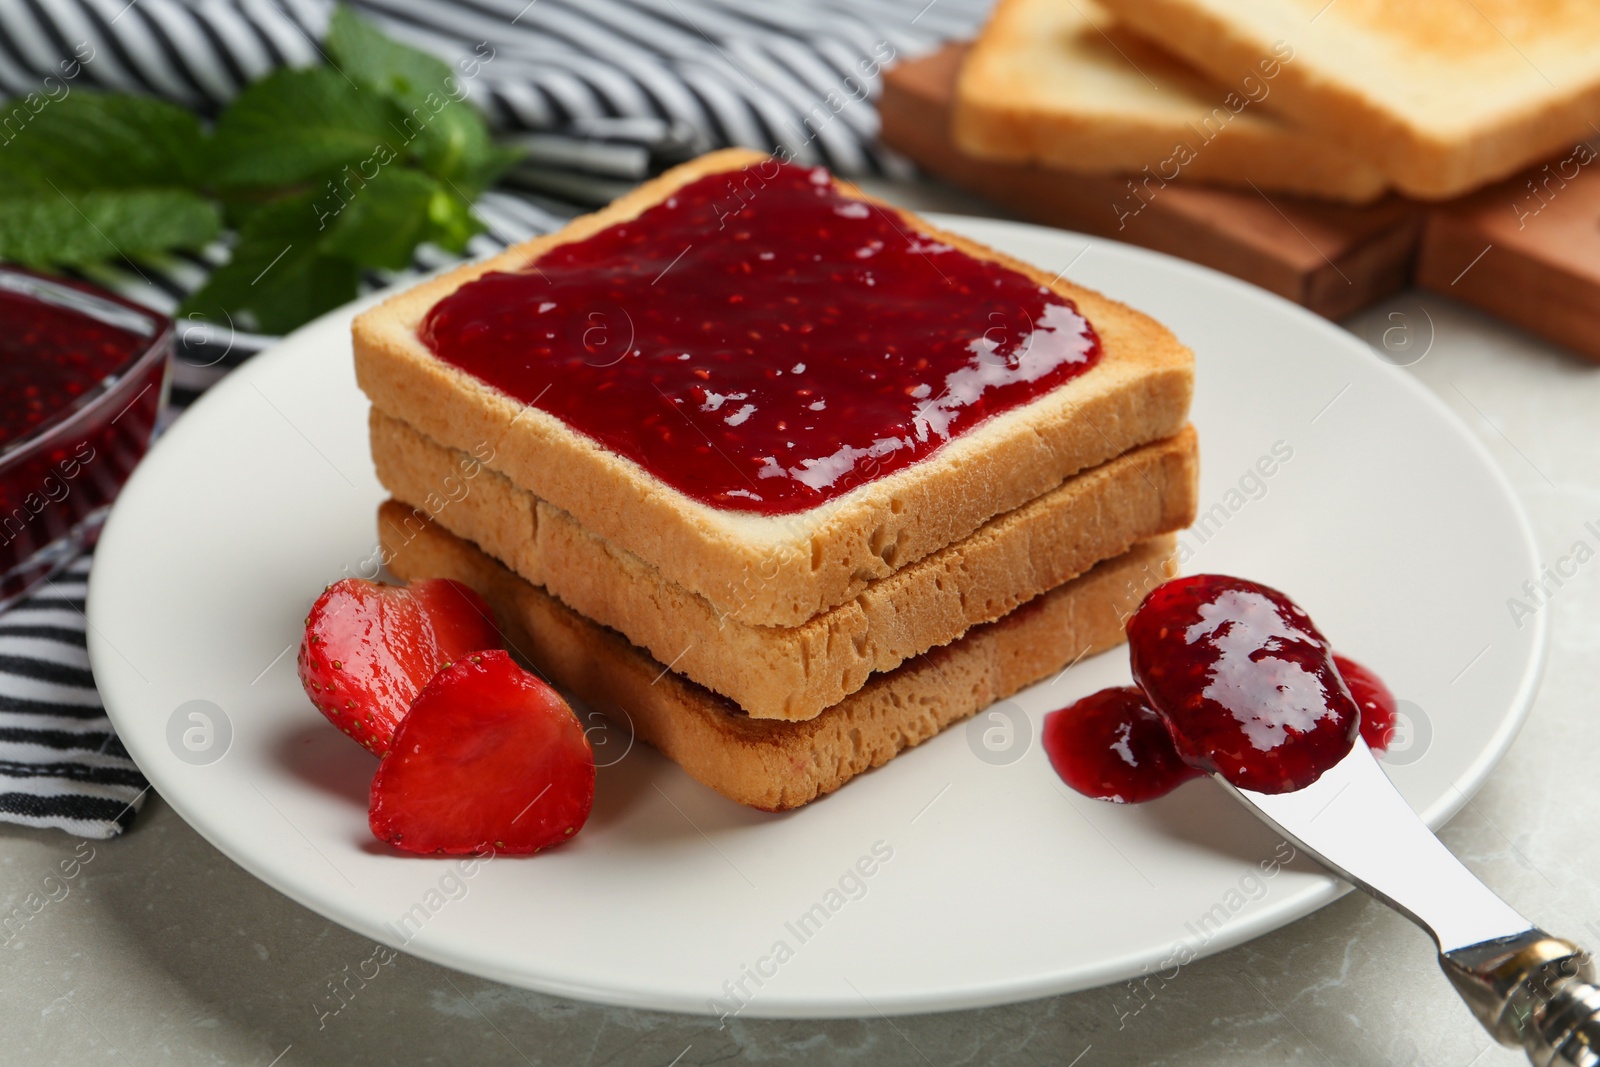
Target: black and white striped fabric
{"x": 599, "y": 93}
{"x": 60, "y": 763}
{"x": 746, "y": 72}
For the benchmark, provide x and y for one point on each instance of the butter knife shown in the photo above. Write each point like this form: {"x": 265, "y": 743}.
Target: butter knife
{"x": 1529, "y": 990}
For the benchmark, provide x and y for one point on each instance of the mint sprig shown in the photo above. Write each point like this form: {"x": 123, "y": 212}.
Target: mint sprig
{"x": 447, "y": 140}
{"x": 323, "y": 172}
{"x": 90, "y": 177}
{"x": 278, "y": 275}
{"x": 295, "y": 126}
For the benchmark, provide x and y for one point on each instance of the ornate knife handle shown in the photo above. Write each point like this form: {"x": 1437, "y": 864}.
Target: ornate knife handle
{"x": 1533, "y": 992}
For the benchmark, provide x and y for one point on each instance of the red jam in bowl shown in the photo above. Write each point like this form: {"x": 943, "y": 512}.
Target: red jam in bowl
{"x": 762, "y": 342}
{"x": 82, "y": 377}
{"x": 1233, "y": 678}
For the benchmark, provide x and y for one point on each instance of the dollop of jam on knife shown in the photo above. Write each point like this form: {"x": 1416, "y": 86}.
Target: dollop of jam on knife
{"x": 1233, "y": 678}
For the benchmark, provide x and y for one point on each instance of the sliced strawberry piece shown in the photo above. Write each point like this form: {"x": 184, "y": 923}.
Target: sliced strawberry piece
{"x": 369, "y": 649}
{"x": 489, "y": 759}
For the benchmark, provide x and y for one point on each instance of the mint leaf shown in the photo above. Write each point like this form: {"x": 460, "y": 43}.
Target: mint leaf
{"x": 46, "y": 228}
{"x": 383, "y": 221}
{"x": 449, "y": 139}
{"x": 451, "y": 222}
{"x": 322, "y": 172}
{"x": 95, "y": 176}
{"x": 439, "y": 127}
{"x": 92, "y": 140}
{"x": 481, "y": 169}
{"x": 299, "y": 125}
{"x": 403, "y": 74}
{"x": 290, "y": 286}
{"x": 278, "y": 276}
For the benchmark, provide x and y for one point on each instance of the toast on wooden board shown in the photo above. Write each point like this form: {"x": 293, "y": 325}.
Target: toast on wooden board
{"x": 1334, "y": 259}
{"x": 1057, "y": 82}
{"x": 1442, "y": 96}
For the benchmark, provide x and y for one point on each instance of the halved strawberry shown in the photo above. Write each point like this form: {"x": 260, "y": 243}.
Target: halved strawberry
{"x": 369, "y": 649}
{"x": 489, "y": 759}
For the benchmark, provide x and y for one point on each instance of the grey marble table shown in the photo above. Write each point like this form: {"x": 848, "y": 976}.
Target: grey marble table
{"x": 165, "y": 952}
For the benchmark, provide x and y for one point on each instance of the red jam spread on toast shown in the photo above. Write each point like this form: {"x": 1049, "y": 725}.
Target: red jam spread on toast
{"x": 762, "y": 342}
{"x": 1232, "y": 678}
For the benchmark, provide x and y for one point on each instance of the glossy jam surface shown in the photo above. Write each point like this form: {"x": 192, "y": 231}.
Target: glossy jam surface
{"x": 1246, "y": 687}
{"x": 1113, "y": 746}
{"x": 762, "y": 342}
{"x": 1244, "y": 680}
{"x": 51, "y": 356}
{"x": 1378, "y": 706}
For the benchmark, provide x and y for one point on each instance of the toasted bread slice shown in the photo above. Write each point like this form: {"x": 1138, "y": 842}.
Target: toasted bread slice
{"x": 1057, "y": 82}
{"x": 795, "y": 672}
{"x": 1440, "y": 95}
{"x": 780, "y": 570}
{"x": 1334, "y": 259}
{"x": 780, "y": 765}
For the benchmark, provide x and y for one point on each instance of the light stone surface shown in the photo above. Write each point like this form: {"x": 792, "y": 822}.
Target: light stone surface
{"x": 163, "y": 951}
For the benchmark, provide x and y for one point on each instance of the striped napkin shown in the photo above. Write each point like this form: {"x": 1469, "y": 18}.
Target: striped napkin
{"x": 600, "y": 94}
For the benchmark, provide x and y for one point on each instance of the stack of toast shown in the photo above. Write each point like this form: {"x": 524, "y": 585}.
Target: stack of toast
{"x": 777, "y": 655}
{"x": 1061, "y": 83}
{"x": 1339, "y": 100}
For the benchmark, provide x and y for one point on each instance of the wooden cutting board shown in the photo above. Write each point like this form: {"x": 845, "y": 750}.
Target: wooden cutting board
{"x": 1334, "y": 259}
{"x": 1527, "y": 250}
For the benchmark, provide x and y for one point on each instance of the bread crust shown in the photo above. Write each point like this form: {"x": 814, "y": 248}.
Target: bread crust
{"x": 1062, "y": 85}
{"x": 775, "y": 765}
{"x": 782, "y": 570}
{"x": 795, "y": 672}
{"x": 1483, "y": 133}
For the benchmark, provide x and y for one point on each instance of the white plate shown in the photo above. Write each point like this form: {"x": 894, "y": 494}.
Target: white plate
{"x": 1389, "y": 522}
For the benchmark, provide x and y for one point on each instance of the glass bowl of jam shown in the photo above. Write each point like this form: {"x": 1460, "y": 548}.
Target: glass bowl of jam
{"x": 83, "y": 379}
